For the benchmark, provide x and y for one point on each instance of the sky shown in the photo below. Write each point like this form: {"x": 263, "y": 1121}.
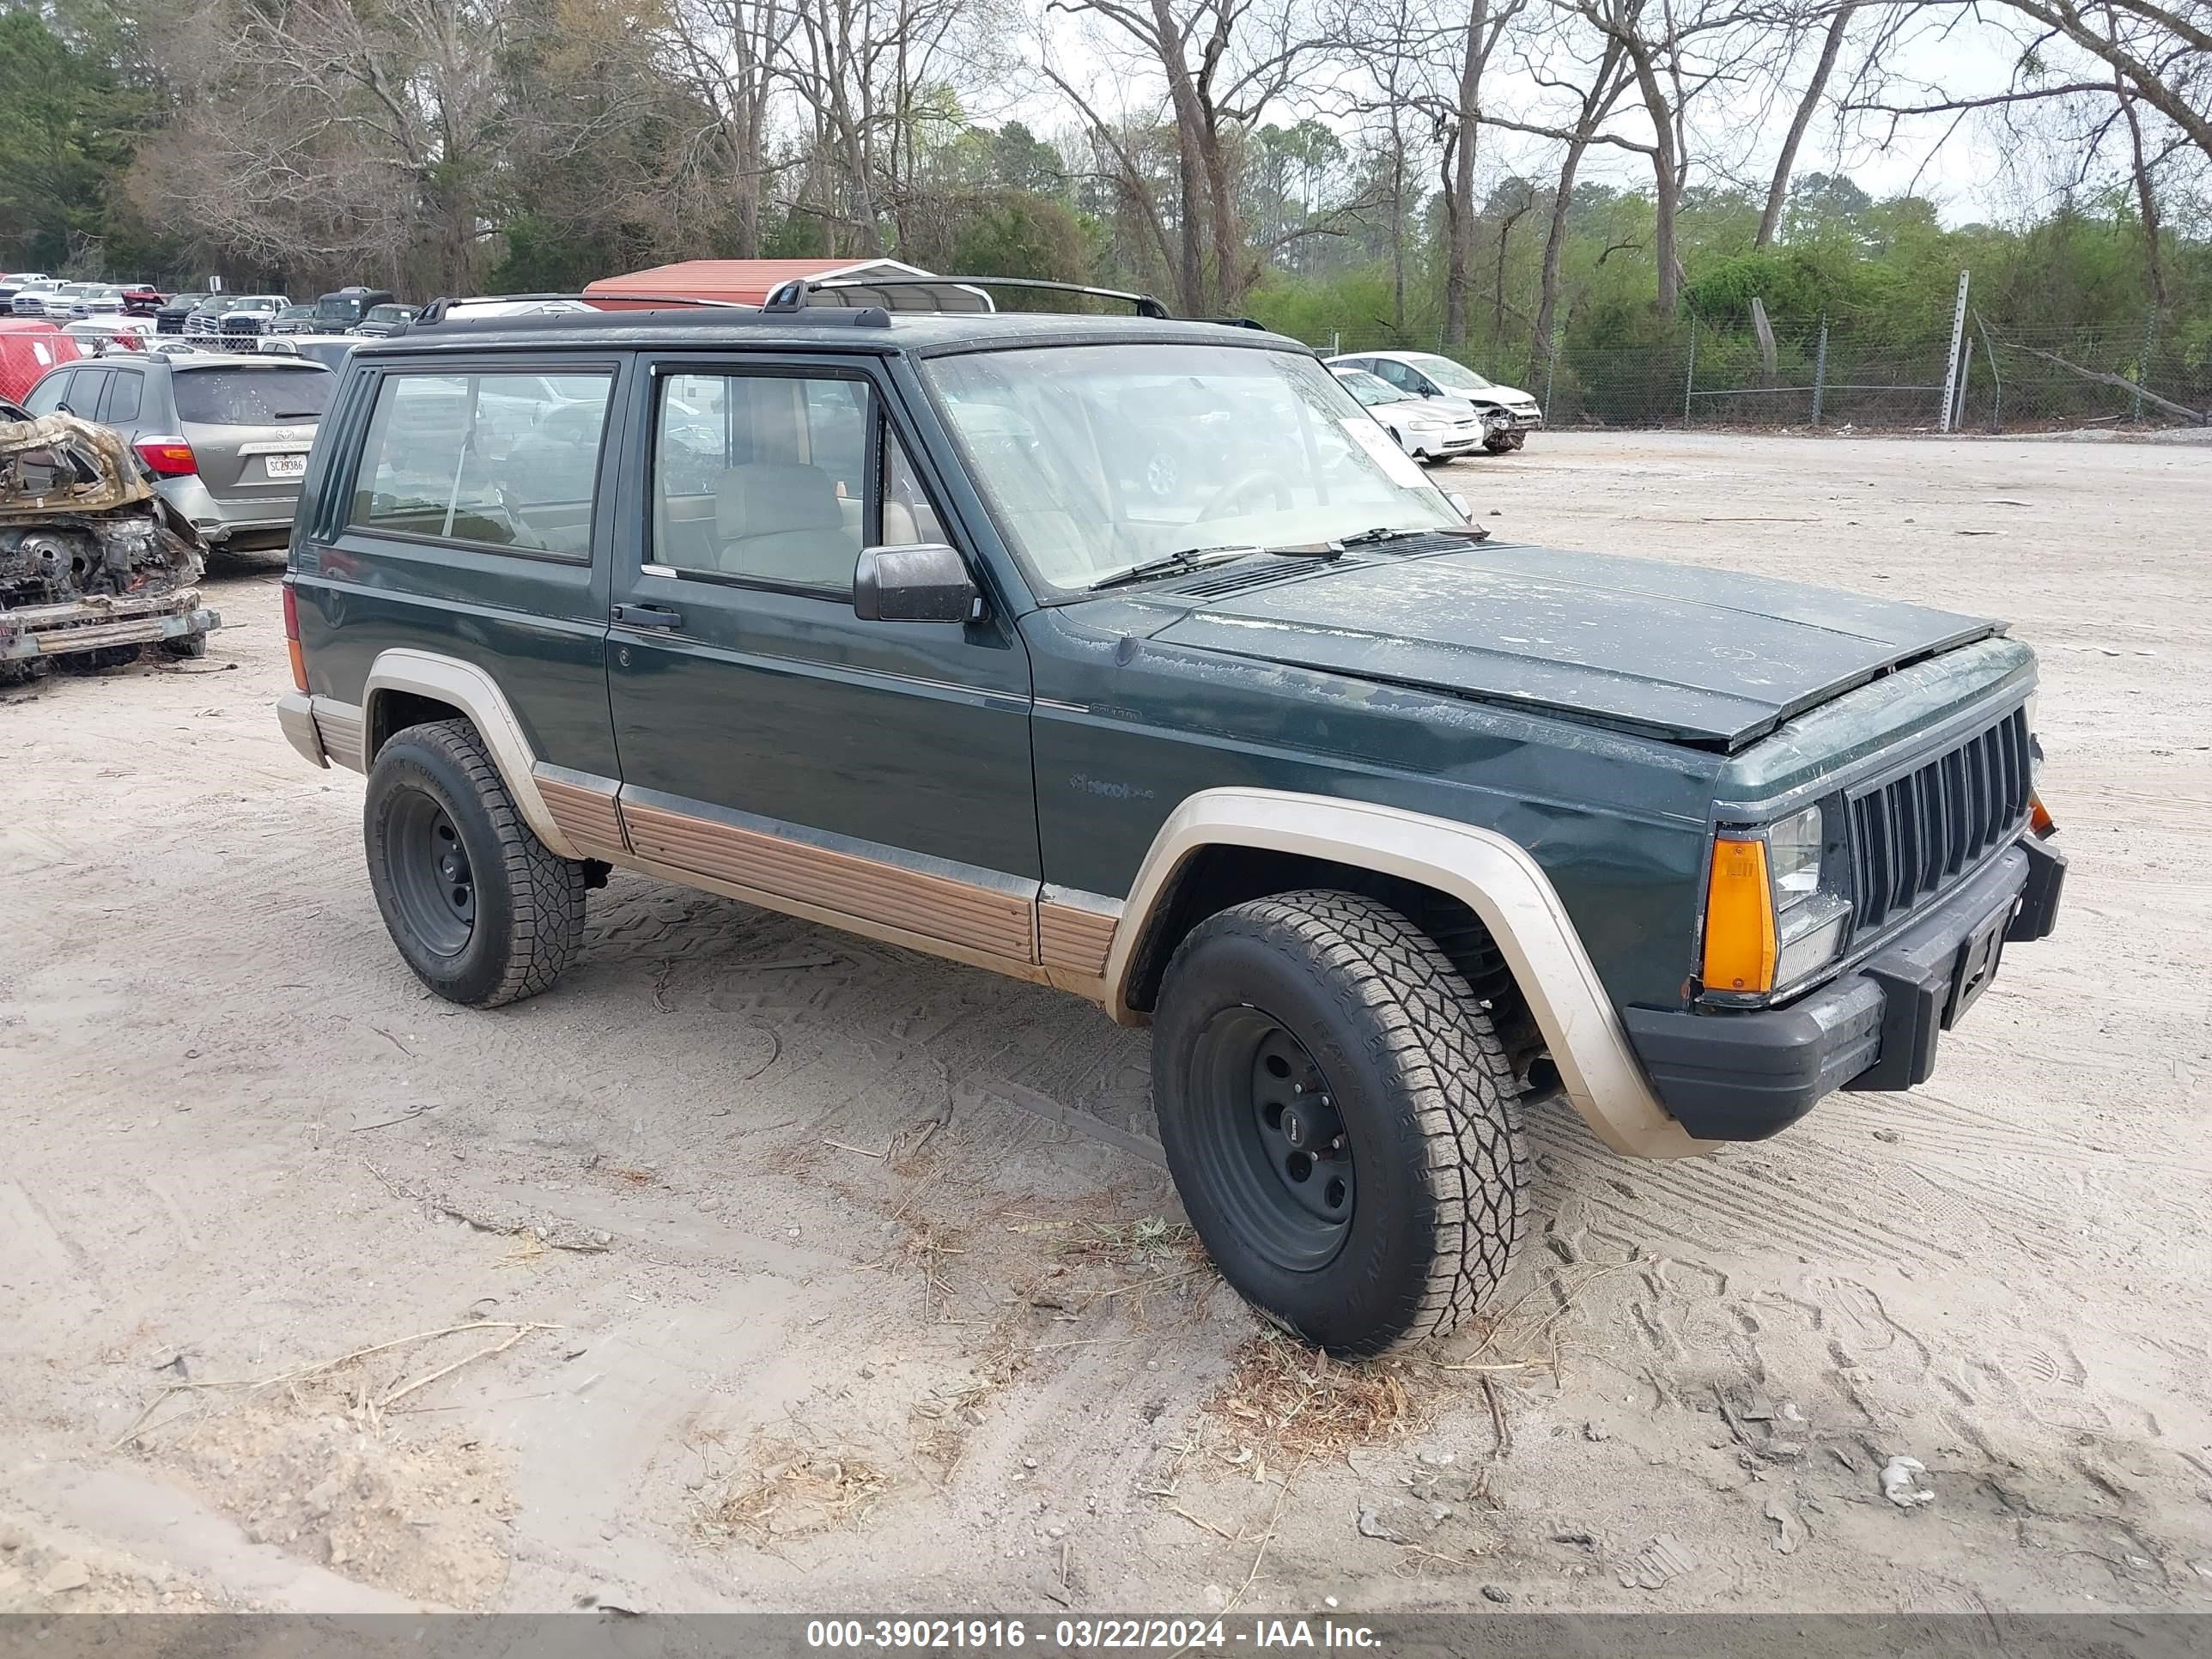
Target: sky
{"x": 1969, "y": 169}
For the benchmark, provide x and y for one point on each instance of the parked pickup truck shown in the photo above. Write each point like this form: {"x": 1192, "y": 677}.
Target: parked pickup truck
{"x": 874, "y": 616}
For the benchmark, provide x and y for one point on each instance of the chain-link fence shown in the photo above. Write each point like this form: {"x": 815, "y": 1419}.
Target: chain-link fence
{"x": 2008, "y": 376}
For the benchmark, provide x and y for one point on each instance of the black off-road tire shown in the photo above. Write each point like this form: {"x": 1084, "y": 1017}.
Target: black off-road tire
{"x": 1501, "y": 443}
{"x": 1425, "y": 1095}
{"x": 528, "y": 901}
{"x": 186, "y": 646}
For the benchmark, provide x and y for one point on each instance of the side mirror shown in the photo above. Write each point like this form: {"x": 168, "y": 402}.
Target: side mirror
{"x": 922, "y": 582}
{"x": 1461, "y": 504}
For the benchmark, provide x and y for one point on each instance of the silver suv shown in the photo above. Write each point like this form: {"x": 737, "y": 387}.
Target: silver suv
{"x": 226, "y": 437}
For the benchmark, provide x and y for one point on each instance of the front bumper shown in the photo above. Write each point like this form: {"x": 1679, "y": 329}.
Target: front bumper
{"x": 1747, "y": 1076}
{"x": 60, "y": 630}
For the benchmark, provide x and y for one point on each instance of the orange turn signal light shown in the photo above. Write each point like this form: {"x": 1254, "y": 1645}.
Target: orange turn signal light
{"x": 2038, "y": 817}
{"x": 1740, "y": 946}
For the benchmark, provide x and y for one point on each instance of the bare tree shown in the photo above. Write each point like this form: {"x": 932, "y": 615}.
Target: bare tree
{"x": 1223, "y": 62}
{"x": 1458, "y": 126}
{"x": 1597, "y": 98}
{"x": 1816, "y": 87}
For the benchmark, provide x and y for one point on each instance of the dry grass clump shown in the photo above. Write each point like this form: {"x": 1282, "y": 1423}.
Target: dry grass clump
{"x": 1149, "y": 1240}
{"x": 795, "y": 1491}
{"x": 1296, "y": 1405}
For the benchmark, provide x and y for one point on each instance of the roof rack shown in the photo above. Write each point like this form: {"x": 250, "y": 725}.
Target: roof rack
{"x": 437, "y": 310}
{"x": 793, "y": 296}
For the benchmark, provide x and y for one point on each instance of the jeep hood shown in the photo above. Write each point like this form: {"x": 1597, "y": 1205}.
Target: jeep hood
{"x": 1708, "y": 657}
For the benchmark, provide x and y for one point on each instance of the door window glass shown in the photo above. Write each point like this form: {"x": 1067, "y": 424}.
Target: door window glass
{"x": 46, "y": 398}
{"x": 121, "y": 403}
{"x": 84, "y": 393}
{"x": 907, "y": 515}
{"x": 504, "y": 459}
{"x": 763, "y": 477}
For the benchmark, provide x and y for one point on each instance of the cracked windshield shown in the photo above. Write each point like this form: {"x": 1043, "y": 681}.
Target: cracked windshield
{"x": 1100, "y": 461}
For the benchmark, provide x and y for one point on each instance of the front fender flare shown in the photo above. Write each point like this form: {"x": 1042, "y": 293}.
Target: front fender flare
{"x": 1492, "y": 875}
{"x": 476, "y": 694}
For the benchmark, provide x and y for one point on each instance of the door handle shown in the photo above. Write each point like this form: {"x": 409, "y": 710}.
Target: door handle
{"x": 647, "y": 616}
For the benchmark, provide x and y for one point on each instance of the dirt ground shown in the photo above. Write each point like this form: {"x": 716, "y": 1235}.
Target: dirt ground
{"x": 758, "y": 1267}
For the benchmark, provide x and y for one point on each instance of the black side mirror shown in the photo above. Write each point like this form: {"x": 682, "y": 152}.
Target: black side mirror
{"x": 923, "y": 582}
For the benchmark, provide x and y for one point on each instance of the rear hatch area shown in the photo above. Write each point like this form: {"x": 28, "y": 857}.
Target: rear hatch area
{"x": 250, "y": 426}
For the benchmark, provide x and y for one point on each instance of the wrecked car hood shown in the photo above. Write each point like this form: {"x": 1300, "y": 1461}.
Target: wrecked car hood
{"x": 1709, "y": 657}
{"x": 58, "y": 464}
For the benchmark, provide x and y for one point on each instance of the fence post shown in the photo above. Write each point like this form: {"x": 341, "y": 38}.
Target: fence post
{"x": 1820, "y": 369}
{"x": 1965, "y": 373}
{"x": 1690, "y": 375}
{"x": 2142, "y": 368}
{"x": 1335, "y": 343}
{"x": 1951, "y": 368}
{"x": 1996, "y": 375}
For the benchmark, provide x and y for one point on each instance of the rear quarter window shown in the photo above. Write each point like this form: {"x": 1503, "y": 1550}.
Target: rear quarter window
{"x": 500, "y": 460}
{"x": 279, "y": 395}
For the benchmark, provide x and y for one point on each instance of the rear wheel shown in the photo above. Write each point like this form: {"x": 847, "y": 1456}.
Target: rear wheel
{"x": 484, "y": 911}
{"x": 186, "y": 645}
{"x": 1341, "y": 1119}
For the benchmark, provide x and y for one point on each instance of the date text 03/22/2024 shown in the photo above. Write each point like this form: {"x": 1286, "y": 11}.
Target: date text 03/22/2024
{"x": 1085, "y": 1636}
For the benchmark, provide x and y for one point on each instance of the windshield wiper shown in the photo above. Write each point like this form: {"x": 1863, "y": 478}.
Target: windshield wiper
{"x": 1189, "y": 559}
{"x": 1380, "y": 533}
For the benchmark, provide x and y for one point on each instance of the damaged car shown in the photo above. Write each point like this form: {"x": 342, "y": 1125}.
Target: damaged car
{"x": 93, "y": 563}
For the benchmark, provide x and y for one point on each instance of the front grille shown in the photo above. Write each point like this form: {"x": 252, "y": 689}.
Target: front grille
{"x": 1914, "y": 835}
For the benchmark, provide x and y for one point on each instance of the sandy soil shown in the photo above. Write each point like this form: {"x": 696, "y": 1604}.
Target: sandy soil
{"x": 758, "y": 1267}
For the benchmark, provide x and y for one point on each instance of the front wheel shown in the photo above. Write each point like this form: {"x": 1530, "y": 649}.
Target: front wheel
{"x": 1340, "y": 1118}
{"x": 484, "y": 911}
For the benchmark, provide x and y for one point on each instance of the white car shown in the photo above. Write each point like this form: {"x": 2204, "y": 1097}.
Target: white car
{"x": 1430, "y": 429}
{"x": 1427, "y": 374}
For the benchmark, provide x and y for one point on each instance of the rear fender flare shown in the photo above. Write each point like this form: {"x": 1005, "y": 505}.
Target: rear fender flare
{"x": 1490, "y": 874}
{"x": 476, "y": 694}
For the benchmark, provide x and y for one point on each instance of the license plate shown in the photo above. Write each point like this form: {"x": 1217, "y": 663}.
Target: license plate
{"x": 286, "y": 466}
{"x": 1976, "y": 966}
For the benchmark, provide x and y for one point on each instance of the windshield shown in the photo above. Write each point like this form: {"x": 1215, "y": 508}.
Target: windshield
{"x": 268, "y": 394}
{"x": 1444, "y": 371}
{"x": 1096, "y": 459}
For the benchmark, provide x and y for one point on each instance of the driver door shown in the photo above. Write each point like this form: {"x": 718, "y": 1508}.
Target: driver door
{"x": 773, "y": 743}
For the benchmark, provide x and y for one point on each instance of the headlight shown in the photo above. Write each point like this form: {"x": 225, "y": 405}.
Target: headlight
{"x": 1776, "y": 910}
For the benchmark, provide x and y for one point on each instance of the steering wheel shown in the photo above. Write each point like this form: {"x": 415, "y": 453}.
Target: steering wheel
{"x": 1245, "y": 483}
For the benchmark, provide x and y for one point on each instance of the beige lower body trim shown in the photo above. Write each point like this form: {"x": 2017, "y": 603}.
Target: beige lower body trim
{"x": 1075, "y": 933}
{"x": 322, "y": 729}
{"x": 585, "y": 809}
{"x": 295, "y": 718}
{"x": 821, "y": 881}
{"x": 1493, "y": 877}
{"x": 340, "y": 727}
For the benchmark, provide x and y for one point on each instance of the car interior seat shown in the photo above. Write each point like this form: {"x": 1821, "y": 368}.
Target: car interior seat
{"x": 784, "y": 523}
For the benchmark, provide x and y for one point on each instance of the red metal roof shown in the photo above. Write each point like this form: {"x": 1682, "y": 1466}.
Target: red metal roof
{"x": 747, "y": 281}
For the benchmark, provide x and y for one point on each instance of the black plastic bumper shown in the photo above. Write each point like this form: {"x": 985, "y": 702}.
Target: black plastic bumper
{"x": 1744, "y": 1076}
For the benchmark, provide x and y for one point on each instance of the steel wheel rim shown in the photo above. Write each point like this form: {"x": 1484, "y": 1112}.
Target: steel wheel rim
{"x": 431, "y": 877}
{"x": 1269, "y": 1142}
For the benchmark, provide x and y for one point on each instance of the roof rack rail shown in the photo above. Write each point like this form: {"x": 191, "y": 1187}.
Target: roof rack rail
{"x": 1234, "y": 322}
{"x": 438, "y": 309}
{"x": 794, "y": 294}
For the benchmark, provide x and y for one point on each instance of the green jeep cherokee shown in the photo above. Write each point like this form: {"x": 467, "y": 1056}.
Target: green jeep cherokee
{"x": 886, "y": 618}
